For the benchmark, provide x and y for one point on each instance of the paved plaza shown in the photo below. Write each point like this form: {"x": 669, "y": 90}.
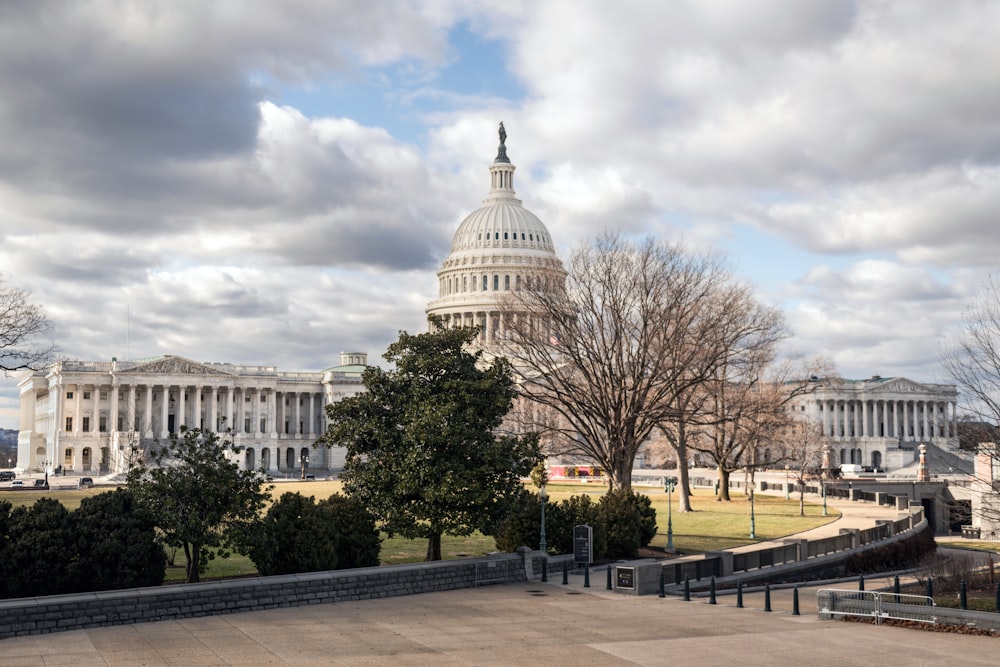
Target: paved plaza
{"x": 517, "y": 624}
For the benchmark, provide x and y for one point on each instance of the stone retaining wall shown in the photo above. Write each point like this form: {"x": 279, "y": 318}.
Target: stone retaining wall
{"x": 55, "y": 613}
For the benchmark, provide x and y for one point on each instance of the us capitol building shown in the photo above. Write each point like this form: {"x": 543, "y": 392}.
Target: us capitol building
{"x": 93, "y": 417}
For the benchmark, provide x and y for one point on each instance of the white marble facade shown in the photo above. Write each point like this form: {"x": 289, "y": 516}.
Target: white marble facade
{"x": 879, "y": 422}
{"x": 92, "y": 417}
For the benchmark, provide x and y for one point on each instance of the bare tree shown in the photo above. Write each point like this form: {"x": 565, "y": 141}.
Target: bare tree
{"x": 802, "y": 442}
{"x": 23, "y": 328}
{"x": 608, "y": 352}
{"x": 723, "y": 416}
{"x": 973, "y": 362}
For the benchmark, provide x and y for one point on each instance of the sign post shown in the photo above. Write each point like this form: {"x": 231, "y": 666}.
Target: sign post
{"x": 583, "y": 545}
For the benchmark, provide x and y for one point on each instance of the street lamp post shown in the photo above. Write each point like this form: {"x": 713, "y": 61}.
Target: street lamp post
{"x": 787, "y": 497}
{"x": 543, "y": 495}
{"x": 668, "y": 485}
{"x": 753, "y": 519}
{"x": 305, "y": 462}
{"x": 822, "y": 486}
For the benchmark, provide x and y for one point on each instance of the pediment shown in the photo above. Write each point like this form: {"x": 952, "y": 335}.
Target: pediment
{"x": 902, "y": 386}
{"x": 170, "y": 365}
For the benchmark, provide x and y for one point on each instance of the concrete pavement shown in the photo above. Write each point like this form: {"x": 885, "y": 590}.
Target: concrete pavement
{"x": 530, "y": 623}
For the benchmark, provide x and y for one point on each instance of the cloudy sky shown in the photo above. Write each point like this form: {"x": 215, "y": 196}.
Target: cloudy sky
{"x": 275, "y": 182}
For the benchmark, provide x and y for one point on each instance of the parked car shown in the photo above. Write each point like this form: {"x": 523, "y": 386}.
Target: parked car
{"x": 17, "y": 484}
{"x": 86, "y": 482}
{"x": 41, "y": 483}
{"x": 7, "y": 475}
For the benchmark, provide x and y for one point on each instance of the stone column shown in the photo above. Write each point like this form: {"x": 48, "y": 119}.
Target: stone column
{"x": 180, "y": 418}
{"x": 296, "y": 415}
{"x": 95, "y": 410}
{"x": 864, "y": 419}
{"x": 147, "y": 418}
{"x": 164, "y": 415}
{"x": 198, "y": 420}
{"x": 113, "y": 409}
{"x": 213, "y": 410}
{"x": 77, "y": 409}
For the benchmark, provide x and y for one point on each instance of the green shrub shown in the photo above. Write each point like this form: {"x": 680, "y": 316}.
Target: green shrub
{"x": 575, "y": 511}
{"x": 300, "y": 535}
{"x": 522, "y": 525}
{"x": 629, "y": 523}
{"x": 294, "y": 536}
{"x": 359, "y": 544}
{"x": 116, "y": 543}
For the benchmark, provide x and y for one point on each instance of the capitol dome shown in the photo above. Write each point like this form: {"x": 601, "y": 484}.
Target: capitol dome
{"x": 498, "y": 248}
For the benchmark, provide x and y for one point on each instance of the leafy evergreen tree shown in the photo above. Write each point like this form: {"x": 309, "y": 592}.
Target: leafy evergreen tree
{"x": 198, "y": 496}
{"x": 295, "y": 536}
{"x": 422, "y": 454}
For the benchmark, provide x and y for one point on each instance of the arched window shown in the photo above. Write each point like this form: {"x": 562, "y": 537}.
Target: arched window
{"x": 496, "y": 283}
{"x": 474, "y": 283}
{"x": 465, "y": 283}
{"x": 505, "y": 236}
{"x": 506, "y": 283}
{"x": 497, "y": 237}
{"x": 486, "y": 283}
{"x": 517, "y": 284}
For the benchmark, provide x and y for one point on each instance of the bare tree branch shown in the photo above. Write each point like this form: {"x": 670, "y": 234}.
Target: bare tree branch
{"x": 23, "y": 328}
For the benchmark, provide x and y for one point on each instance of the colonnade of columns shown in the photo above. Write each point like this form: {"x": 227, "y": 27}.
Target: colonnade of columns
{"x": 148, "y": 408}
{"x": 493, "y": 324}
{"x": 902, "y": 419}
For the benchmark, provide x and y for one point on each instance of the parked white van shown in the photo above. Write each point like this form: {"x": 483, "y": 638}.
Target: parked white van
{"x": 851, "y": 469}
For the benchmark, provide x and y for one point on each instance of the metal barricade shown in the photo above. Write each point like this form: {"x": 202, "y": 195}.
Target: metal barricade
{"x": 877, "y": 605}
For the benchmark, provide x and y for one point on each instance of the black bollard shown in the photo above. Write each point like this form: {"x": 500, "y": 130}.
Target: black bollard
{"x": 795, "y": 601}
{"x": 687, "y": 589}
{"x": 711, "y": 591}
{"x": 662, "y": 592}
{"x": 545, "y": 569}
{"x": 963, "y": 596}
{"x": 565, "y": 573}
{"x": 739, "y": 595}
{"x": 767, "y": 597}
{"x": 586, "y": 575}
{"x": 930, "y": 591}
{"x": 861, "y": 582}
{"x": 609, "y": 578}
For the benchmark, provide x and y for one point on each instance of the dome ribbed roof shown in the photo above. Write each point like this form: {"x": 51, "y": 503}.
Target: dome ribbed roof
{"x": 502, "y": 223}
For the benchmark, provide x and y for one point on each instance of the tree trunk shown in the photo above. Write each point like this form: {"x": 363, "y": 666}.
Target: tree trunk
{"x": 434, "y": 547}
{"x": 802, "y": 500}
{"x": 684, "y": 497}
{"x": 620, "y": 477}
{"x": 193, "y": 553}
{"x": 723, "y": 485}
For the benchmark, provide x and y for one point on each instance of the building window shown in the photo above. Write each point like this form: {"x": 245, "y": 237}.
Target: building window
{"x": 506, "y": 283}
{"x": 103, "y": 425}
{"x": 246, "y": 425}
{"x": 69, "y": 423}
{"x": 496, "y": 283}
{"x": 496, "y": 236}
{"x": 505, "y": 236}
{"x": 104, "y": 395}
{"x": 68, "y": 458}
{"x": 486, "y": 286}
{"x": 86, "y": 424}
{"x": 69, "y": 394}
{"x": 263, "y": 424}
{"x": 86, "y": 395}
{"x": 263, "y": 398}
{"x": 246, "y": 399}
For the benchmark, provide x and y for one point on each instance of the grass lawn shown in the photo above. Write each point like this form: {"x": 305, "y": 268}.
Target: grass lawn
{"x": 712, "y": 525}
